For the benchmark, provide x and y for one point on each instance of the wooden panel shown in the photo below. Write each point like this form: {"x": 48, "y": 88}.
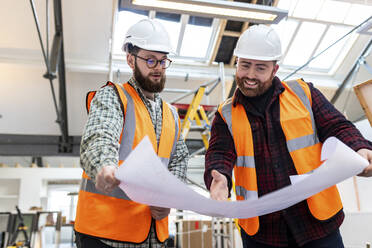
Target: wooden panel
{"x": 226, "y": 49}
{"x": 364, "y": 93}
{"x": 218, "y": 41}
{"x": 196, "y": 233}
{"x": 234, "y": 26}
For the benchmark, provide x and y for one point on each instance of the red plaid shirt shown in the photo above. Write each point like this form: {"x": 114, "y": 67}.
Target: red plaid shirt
{"x": 274, "y": 164}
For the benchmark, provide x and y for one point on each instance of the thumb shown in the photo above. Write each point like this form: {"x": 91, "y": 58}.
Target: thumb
{"x": 109, "y": 175}
{"x": 216, "y": 175}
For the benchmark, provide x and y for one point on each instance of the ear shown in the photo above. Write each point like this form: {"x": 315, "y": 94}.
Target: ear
{"x": 276, "y": 67}
{"x": 130, "y": 60}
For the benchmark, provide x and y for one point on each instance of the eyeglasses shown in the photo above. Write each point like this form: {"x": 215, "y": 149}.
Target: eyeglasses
{"x": 152, "y": 63}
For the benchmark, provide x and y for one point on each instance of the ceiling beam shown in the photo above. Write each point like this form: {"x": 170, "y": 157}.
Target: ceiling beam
{"x": 37, "y": 145}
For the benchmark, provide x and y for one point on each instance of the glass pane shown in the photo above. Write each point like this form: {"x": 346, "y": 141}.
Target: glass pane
{"x": 125, "y": 20}
{"x": 287, "y": 5}
{"x": 304, "y": 43}
{"x": 201, "y": 21}
{"x": 197, "y": 37}
{"x": 325, "y": 61}
{"x": 172, "y": 24}
{"x": 285, "y": 30}
{"x": 357, "y": 14}
{"x": 307, "y": 8}
{"x": 333, "y": 11}
{"x": 168, "y": 16}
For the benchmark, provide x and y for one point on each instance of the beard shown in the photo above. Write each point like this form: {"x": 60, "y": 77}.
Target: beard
{"x": 146, "y": 83}
{"x": 261, "y": 87}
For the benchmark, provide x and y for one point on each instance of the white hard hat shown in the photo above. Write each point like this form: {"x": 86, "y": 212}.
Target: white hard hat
{"x": 148, "y": 34}
{"x": 259, "y": 42}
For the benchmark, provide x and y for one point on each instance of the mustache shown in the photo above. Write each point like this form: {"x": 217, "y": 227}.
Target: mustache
{"x": 251, "y": 79}
{"x": 155, "y": 73}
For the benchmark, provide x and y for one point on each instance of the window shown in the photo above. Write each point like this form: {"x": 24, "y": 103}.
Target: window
{"x": 307, "y": 9}
{"x": 304, "y": 43}
{"x": 191, "y": 37}
{"x": 333, "y": 11}
{"x": 326, "y": 60}
{"x": 286, "y": 31}
{"x": 126, "y": 18}
{"x": 357, "y": 14}
{"x": 172, "y": 24}
{"x": 198, "y": 33}
{"x": 314, "y": 25}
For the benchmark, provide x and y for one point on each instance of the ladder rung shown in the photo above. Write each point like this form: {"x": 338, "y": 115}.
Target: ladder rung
{"x": 197, "y": 128}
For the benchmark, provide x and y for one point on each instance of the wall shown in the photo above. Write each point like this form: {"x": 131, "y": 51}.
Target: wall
{"x": 27, "y": 187}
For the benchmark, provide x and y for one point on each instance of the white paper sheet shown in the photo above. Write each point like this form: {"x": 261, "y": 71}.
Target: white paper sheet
{"x": 146, "y": 180}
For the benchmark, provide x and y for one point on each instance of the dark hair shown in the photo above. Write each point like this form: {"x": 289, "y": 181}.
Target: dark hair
{"x": 132, "y": 49}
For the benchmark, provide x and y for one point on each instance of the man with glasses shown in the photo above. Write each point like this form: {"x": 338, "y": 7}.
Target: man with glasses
{"x": 268, "y": 131}
{"x": 120, "y": 115}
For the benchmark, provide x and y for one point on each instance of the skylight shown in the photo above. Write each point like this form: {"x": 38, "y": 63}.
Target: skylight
{"x": 311, "y": 26}
{"x": 325, "y": 60}
{"x": 307, "y": 9}
{"x": 172, "y": 23}
{"x": 286, "y": 30}
{"x": 191, "y": 36}
{"x": 357, "y": 14}
{"x": 333, "y": 11}
{"x": 198, "y": 33}
{"x": 314, "y": 25}
{"x": 304, "y": 43}
{"x": 125, "y": 19}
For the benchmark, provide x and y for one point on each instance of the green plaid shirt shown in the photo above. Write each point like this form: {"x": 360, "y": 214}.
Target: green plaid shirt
{"x": 100, "y": 142}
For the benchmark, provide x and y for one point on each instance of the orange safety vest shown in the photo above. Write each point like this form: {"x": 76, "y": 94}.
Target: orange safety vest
{"x": 298, "y": 124}
{"x": 114, "y": 216}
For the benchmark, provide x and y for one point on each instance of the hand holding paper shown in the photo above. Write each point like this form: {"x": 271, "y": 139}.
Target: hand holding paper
{"x": 367, "y": 154}
{"x": 146, "y": 180}
{"x": 219, "y": 190}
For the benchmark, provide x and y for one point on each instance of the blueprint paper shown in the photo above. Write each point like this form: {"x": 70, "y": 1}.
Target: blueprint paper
{"x": 146, "y": 180}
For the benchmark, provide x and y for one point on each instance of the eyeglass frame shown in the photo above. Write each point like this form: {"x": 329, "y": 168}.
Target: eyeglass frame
{"x": 158, "y": 61}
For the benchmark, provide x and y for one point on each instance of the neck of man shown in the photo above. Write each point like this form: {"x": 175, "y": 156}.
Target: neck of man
{"x": 261, "y": 102}
{"x": 148, "y": 95}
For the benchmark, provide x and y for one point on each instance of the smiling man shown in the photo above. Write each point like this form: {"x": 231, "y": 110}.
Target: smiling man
{"x": 268, "y": 131}
{"x": 120, "y": 115}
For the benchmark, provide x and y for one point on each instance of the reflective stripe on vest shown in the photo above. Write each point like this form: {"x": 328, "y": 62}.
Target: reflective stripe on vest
{"x": 114, "y": 216}
{"x": 298, "y": 125}
{"x": 178, "y": 124}
{"x": 307, "y": 140}
{"x": 88, "y": 186}
{"x": 129, "y": 127}
{"x": 245, "y": 194}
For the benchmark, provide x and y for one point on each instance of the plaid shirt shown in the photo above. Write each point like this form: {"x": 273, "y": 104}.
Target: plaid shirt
{"x": 274, "y": 164}
{"x": 100, "y": 143}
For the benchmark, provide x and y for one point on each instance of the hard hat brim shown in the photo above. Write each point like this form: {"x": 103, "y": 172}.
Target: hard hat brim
{"x": 153, "y": 48}
{"x": 250, "y": 56}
